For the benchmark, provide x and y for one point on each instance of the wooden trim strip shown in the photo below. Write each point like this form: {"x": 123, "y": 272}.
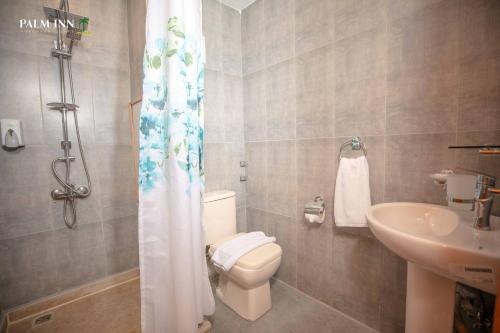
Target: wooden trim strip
{"x": 494, "y": 190}
{"x": 489, "y": 152}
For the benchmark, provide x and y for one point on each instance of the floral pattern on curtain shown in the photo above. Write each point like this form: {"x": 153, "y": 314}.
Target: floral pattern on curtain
{"x": 175, "y": 290}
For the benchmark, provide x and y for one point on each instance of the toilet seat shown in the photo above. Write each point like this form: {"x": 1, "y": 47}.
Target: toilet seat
{"x": 255, "y": 259}
{"x": 245, "y": 287}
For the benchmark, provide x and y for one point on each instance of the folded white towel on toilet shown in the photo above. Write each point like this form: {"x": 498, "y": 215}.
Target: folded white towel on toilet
{"x": 352, "y": 192}
{"x": 228, "y": 253}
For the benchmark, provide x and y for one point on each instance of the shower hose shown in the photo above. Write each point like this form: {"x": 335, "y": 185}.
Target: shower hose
{"x": 69, "y": 208}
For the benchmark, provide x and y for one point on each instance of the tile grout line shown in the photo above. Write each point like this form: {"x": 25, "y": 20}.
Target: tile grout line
{"x": 324, "y": 304}
{"x": 366, "y": 136}
{"x": 386, "y": 37}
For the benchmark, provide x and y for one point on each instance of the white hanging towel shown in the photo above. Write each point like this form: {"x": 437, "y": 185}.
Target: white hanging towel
{"x": 352, "y": 192}
{"x": 228, "y": 253}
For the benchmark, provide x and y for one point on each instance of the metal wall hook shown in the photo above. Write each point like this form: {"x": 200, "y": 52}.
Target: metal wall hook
{"x": 243, "y": 175}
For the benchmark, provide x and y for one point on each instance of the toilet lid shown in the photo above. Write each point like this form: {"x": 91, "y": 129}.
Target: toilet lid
{"x": 255, "y": 259}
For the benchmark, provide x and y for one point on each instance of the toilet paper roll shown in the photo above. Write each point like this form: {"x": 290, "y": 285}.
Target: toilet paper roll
{"x": 313, "y": 218}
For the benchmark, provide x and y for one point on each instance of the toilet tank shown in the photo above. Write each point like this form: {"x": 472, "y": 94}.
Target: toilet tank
{"x": 219, "y": 215}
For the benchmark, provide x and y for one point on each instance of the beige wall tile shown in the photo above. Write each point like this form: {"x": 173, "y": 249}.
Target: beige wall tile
{"x": 111, "y": 94}
{"x": 479, "y": 95}
{"x": 214, "y": 104}
{"x": 257, "y": 186}
{"x": 121, "y": 245}
{"x": 76, "y": 256}
{"x": 285, "y": 231}
{"x": 314, "y": 24}
{"x": 212, "y": 30}
{"x": 216, "y": 167}
{"x": 401, "y": 8}
{"x": 115, "y": 175}
{"x": 254, "y": 109}
{"x": 233, "y": 109}
{"x": 25, "y": 269}
{"x": 409, "y": 161}
{"x": 315, "y": 260}
{"x": 281, "y": 171}
{"x": 280, "y": 100}
{"x": 479, "y": 28}
{"x": 256, "y": 220}
{"x": 360, "y": 87}
{"x": 357, "y": 271}
{"x": 235, "y": 152}
{"x": 253, "y": 38}
{"x": 479, "y": 105}
{"x": 137, "y": 39}
{"x": 241, "y": 219}
{"x": 231, "y": 54}
{"x": 315, "y": 94}
{"x": 423, "y": 71}
{"x": 354, "y": 17}
{"x": 21, "y": 183}
{"x": 279, "y": 30}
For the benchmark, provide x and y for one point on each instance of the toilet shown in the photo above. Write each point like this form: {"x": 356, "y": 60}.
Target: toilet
{"x": 245, "y": 287}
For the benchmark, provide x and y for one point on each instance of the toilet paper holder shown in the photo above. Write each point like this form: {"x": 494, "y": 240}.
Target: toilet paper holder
{"x": 315, "y": 207}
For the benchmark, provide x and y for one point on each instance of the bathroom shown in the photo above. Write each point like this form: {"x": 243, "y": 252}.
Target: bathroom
{"x": 292, "y": 88}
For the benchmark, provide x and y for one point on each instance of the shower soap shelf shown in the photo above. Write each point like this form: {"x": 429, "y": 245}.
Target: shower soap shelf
{"x": 63, "y": 106}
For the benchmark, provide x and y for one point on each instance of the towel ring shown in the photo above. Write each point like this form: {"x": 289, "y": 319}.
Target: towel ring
{"x": 355, "y": 144}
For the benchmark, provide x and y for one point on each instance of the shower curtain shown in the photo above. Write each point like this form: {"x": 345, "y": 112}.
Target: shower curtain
{"x": 175, "y": 290}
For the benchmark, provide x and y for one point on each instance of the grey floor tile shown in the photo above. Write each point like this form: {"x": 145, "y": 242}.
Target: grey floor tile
{"x": 292, "y": 312}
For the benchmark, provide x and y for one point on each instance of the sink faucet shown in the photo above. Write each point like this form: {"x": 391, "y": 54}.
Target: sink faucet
{"x": 483, "y": 201}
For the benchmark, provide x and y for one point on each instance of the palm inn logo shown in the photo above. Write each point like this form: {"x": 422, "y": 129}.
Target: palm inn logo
{"x": 46, "y": 25}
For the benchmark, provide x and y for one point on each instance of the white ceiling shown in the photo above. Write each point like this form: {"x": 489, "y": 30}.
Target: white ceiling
{"x": 237, "y": 4}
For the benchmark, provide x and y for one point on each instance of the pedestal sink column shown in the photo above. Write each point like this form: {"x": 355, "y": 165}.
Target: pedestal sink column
{"x": 430, "y": 301}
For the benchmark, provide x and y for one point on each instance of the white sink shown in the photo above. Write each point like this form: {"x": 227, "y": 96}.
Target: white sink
{"x": 441, "y": 247}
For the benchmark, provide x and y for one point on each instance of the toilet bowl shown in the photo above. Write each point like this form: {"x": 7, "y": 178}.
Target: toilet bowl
{"x": 245, "y": 287}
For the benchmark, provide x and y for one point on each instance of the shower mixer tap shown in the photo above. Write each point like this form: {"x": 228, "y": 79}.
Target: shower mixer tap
{"x": 483, "y": 201}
